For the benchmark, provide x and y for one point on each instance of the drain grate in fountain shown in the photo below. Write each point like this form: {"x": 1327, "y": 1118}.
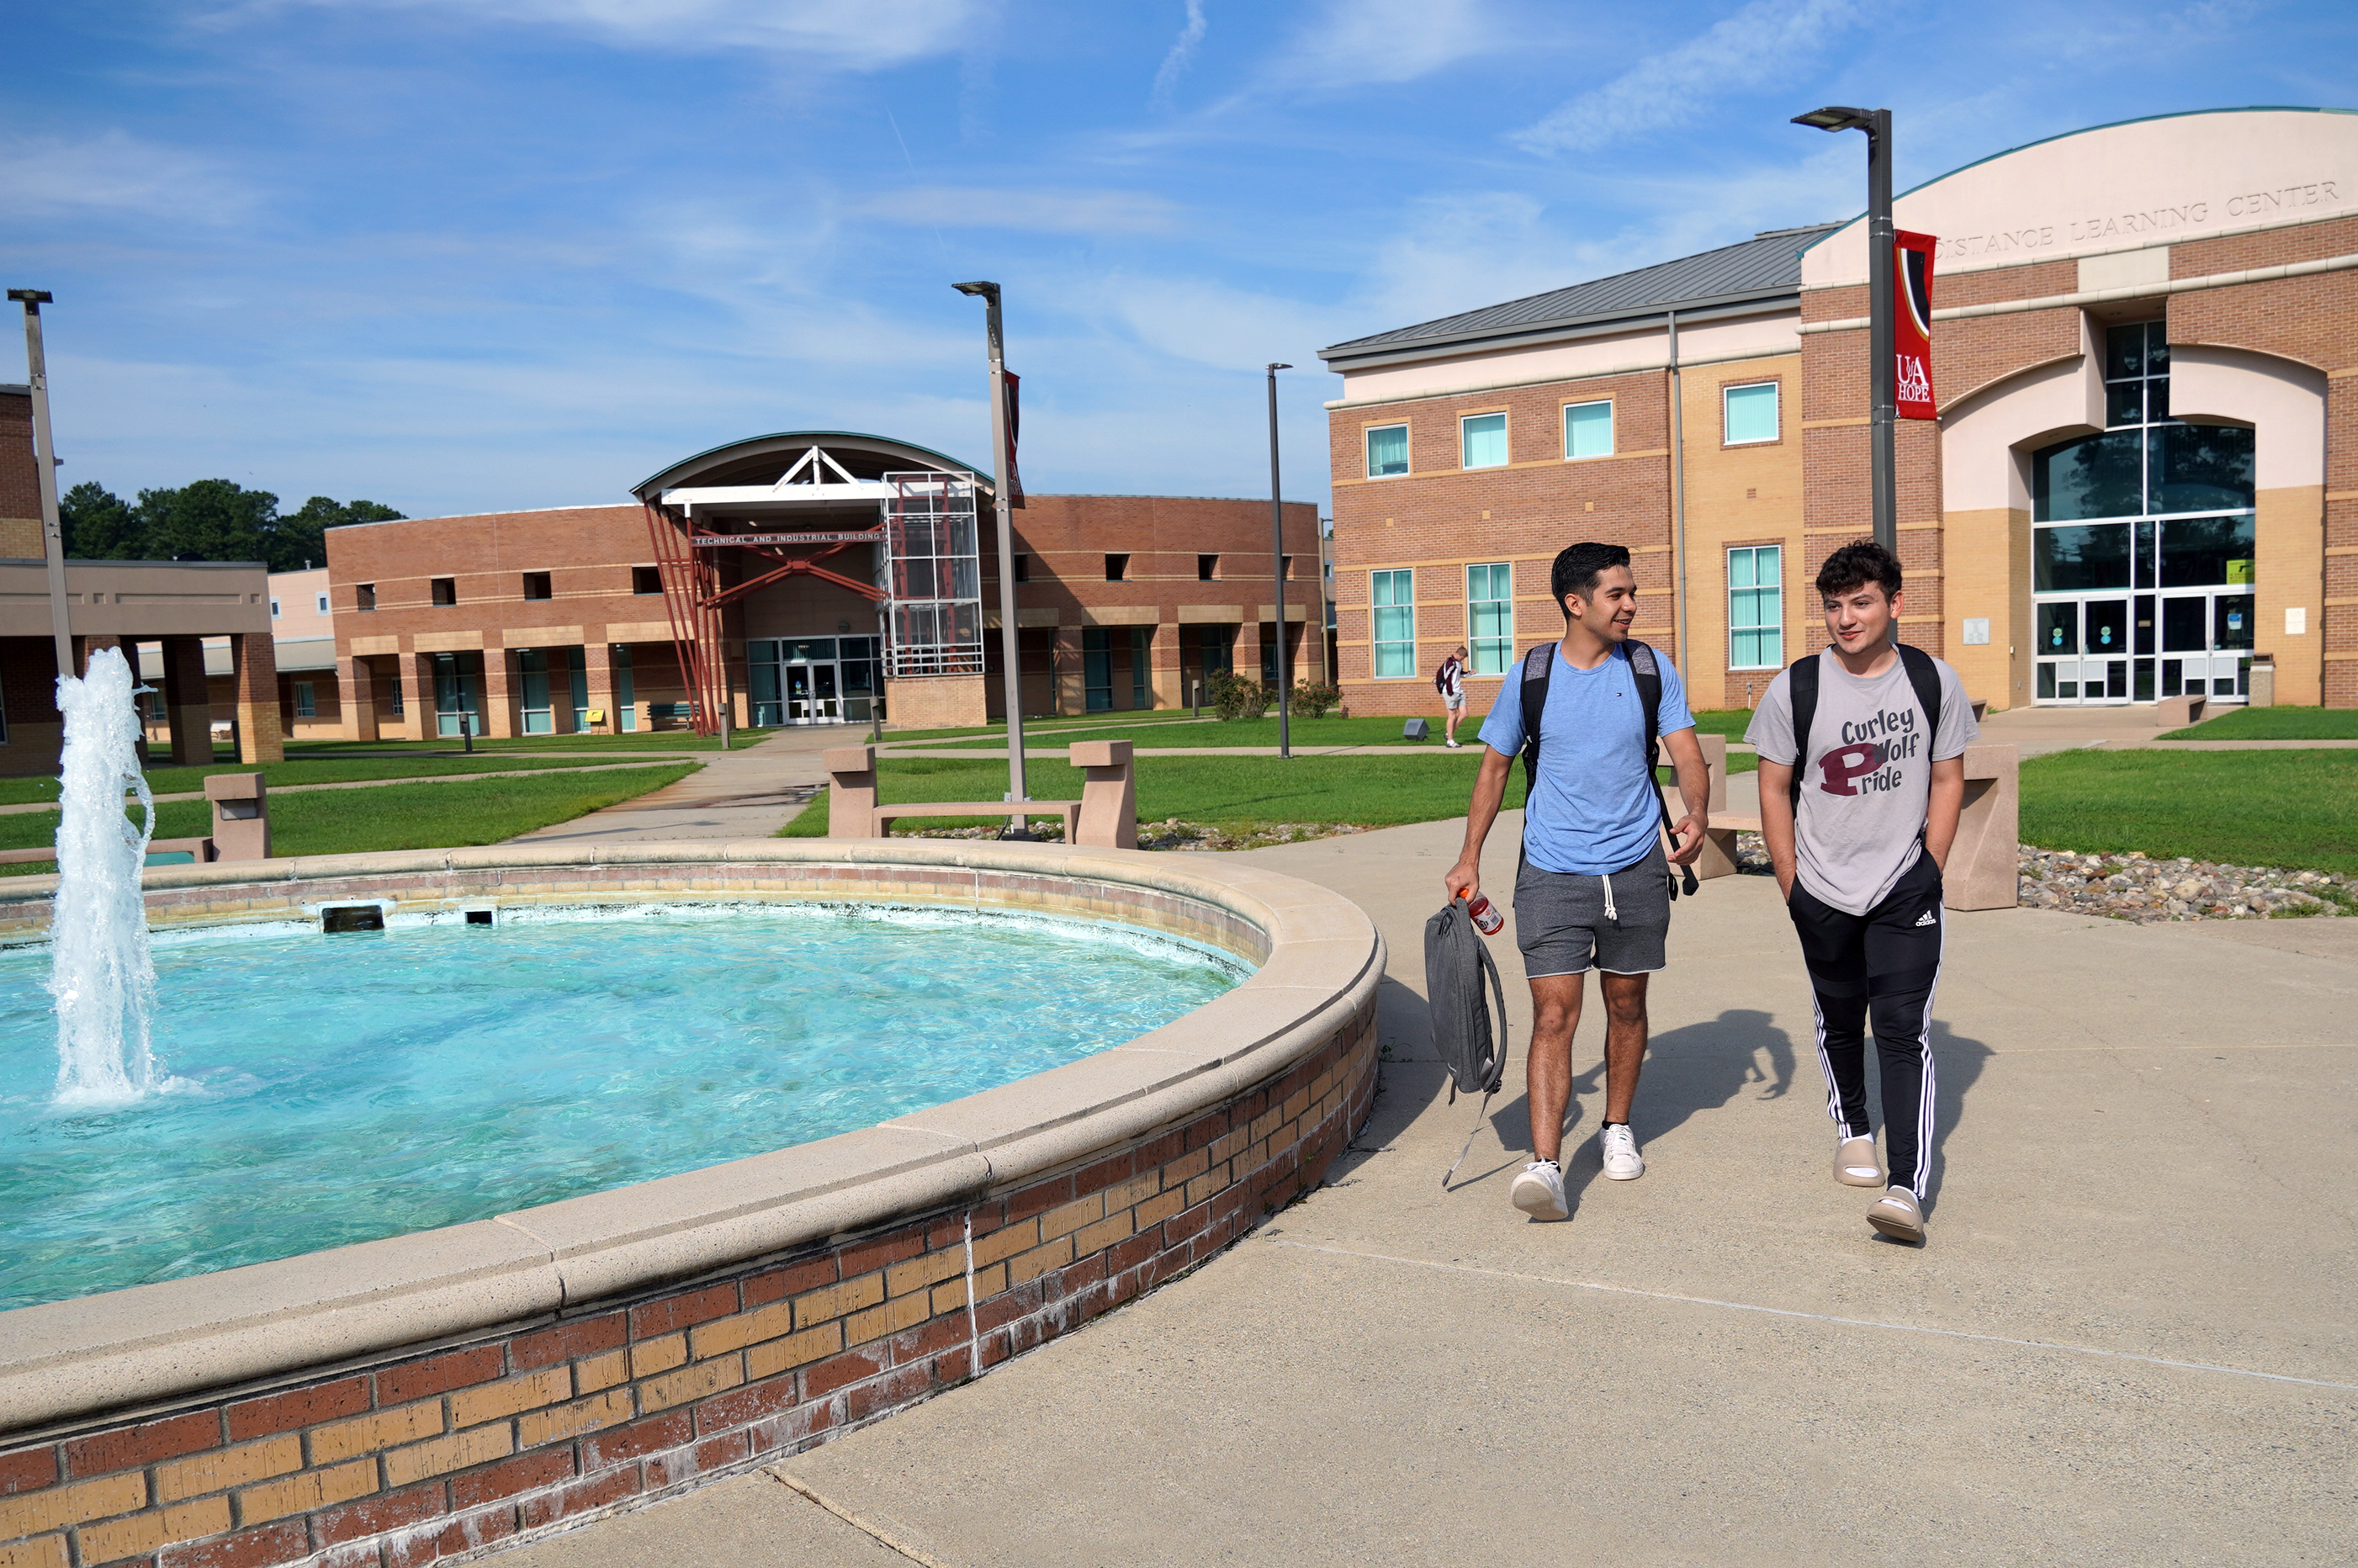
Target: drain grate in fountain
{"x": 342, "y": 917}
{"x": 478, "y": 917}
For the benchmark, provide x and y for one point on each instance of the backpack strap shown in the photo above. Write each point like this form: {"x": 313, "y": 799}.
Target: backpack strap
{"x": 1802, "y": 687}
{"x": 1645, "y": 668}
{"x": 1925, "y": 676}
{"x": 1539, "y": 668}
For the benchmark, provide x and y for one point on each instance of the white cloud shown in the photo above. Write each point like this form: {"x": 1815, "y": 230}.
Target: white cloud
{"x": 827, "y": 33}
{"x": 1759, "y": 44}
{"x": 1182, "y": 54}
{"x": 114, "y": 172}
{"x": 1033, "y": 211}
{"x": 1356, "y": 42}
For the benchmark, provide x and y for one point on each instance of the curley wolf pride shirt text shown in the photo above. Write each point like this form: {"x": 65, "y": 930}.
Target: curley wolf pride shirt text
{"x": 1868, "y": 779}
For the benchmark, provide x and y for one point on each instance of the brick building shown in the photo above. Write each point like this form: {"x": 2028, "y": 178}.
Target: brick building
{"x": 168, "y": 609}
{"x": 2145, "y": 475}
{"x": 752, "y": 571}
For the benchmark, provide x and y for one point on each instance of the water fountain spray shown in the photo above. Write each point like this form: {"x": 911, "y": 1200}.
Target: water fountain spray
{"x": 102, "y": 973}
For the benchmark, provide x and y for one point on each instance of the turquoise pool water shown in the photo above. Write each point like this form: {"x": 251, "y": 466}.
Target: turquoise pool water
{"x": 342, "y": 1088}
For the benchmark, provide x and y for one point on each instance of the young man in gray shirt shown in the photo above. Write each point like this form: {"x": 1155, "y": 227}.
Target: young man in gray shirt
{"x": 1859, "y": 814}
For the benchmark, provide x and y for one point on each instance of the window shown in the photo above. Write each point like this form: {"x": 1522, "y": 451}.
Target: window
{"x": 1117, "y": 568}
{"x": 446, "y": 590}
{"x": 1022, "y": 568}
{"x": 531, "y": 667}
{"x": 1589, "y": 429}
{"x": 273, "y": 609}
{"x": 646, "y": 580}
{"x": 1207, "y": 569}
{"x": 364, "y": 596}
{"x": 400, "y": 708}
{"x": 320, "y": 604}
{"x": 1750, "y": 413}
{"x": 536, "y": 586}
{"x": 1097, "y": 670}
{"x": 1142, "y": 666}
{"x": 1482, "y": 441}
{"x": 1756, "y": 608}
{"x": 307, "y": 702}
{"x": 1392, "y": 622}
{"x": 1490, "y": 615}
{"x": 1387, "y": 451}
{"x": 1285, "y": 568}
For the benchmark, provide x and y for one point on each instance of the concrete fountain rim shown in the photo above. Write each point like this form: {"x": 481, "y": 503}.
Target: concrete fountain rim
{"x": 1320, "y": 961}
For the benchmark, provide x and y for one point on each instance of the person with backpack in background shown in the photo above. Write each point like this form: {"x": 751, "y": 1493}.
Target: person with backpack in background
{"x": 1449, "y": 680}
{"x": 1593, "y": 887}
{"x": 1862, "y": 777}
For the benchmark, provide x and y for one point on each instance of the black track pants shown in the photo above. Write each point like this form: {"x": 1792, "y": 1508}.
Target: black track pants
{"x": 1883, "y": 964}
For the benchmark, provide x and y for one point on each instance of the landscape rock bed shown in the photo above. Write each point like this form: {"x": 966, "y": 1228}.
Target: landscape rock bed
{"x": 2133, "y": 886}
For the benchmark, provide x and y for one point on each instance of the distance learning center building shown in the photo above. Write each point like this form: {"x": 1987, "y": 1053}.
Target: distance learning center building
{"x": 2144, "y": 477}
{"x": 792, "y": 579}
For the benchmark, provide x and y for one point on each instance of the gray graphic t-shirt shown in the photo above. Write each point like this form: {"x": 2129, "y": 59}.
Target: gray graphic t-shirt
{"x": 1868, "y": 778}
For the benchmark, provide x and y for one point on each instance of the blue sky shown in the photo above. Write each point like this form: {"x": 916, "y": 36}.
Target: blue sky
{"x": 465, "y": 254}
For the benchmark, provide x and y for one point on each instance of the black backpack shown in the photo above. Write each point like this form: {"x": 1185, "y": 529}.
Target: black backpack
{"x": 1801, "y": 686}
{"x": 1539, "y": 669}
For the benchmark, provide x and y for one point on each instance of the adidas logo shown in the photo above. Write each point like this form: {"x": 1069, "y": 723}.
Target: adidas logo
{"x": 1926, "y": 919}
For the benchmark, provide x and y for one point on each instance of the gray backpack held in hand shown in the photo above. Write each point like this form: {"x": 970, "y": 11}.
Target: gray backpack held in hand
{"x": 1456, "y": 961}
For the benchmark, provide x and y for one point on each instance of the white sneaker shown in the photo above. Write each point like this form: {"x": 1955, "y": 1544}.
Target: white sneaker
{"x": 1622, "y": 1161}
{"x": 1454, "y": 745}
{"x": 1539, "y": 1191}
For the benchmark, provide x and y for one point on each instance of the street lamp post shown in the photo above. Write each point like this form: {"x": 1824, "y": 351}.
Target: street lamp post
{"x": 1000, "y": 465}
{"x": 1883, "y": 411}
{"x": 1277, "y": 568}
{"x": 45, "y": 477}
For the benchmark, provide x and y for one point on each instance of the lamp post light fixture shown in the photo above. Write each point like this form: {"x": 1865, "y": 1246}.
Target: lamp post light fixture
{"x": 45, "y": 474}
{"x": 1277, "y": 569}
{"x": 1883, "y": 409}
{"x": 1017, "y": 827}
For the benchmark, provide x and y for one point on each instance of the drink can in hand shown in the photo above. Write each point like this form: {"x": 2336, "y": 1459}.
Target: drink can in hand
{"x": 1484, "y": 915}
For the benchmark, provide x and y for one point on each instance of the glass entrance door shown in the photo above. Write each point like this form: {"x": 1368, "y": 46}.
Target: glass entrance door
{"x": 812, "y": 680}
{"x": 2206, "y": 646}
{"x": 2083, "y": 650}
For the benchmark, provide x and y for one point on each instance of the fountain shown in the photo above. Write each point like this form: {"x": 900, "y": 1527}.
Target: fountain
{"x": 101, "y": 971}
{"x": 757, "y": 1252}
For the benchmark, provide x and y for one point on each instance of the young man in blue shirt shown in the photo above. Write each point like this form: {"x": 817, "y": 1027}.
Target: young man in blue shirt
{"x": 1594, "y": 888}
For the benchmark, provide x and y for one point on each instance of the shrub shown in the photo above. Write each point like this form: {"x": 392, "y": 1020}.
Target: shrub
{"x": 1312, "y": 701}
{"x": 1234, "y": 697}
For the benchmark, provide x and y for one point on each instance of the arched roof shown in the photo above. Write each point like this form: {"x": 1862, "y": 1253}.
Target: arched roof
{"x": 2148, "y": 181}
{"x": 762, "y": 460}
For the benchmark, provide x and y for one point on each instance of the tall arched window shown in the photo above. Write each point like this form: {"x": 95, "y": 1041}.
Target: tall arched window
{"x": 2142, "y": 558}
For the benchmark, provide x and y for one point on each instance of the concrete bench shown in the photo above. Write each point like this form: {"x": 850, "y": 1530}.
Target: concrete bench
{"x": 1983, "y": 862}
{"x": 1106, "y": 816}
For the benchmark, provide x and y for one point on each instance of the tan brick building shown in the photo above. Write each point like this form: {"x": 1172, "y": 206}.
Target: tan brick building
{"x": 2145, "y": 475}
{"x": 593, "y": 617}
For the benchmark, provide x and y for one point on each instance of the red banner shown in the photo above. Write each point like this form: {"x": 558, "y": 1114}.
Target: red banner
{"x": 1015, "y": 428}
{"x": 1911, "y": 325}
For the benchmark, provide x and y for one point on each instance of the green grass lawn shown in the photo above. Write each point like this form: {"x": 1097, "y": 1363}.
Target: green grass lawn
{"x": 1033, "y": 726}
{"x": 1327, "y": 731}
{"x": 2246, "y": 808}
{"x": 304, "y": 771}
{"x": 2275, "y": 724}
{"x": 398, "y": 816}
{"x": 1233, "y": 793}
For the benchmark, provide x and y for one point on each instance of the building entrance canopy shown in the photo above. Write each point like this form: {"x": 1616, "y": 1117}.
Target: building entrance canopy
{"x": 725, "y": 525}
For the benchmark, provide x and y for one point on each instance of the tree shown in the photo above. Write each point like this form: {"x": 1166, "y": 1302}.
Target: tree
{"x": 301, "y": 534}
{"x": 211, "y": 520}
{"x": 98, "y": 525}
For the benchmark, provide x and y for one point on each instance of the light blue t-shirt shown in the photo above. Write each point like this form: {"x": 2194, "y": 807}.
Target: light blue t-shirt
{"x": 1595, "y": 808}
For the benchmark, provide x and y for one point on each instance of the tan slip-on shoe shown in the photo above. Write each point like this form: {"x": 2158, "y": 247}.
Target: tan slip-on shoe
{"x": 1855, "y": 1164}
{"x": 1898, "y": 1215}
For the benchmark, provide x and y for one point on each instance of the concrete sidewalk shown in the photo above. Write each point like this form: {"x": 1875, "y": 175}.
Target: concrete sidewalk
{"x": 746, "y": 794}
{"x": 2129, "y": 1339}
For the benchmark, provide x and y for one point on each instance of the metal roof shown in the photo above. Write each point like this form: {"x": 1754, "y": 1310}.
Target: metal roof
{"x": 1762, "y": 268}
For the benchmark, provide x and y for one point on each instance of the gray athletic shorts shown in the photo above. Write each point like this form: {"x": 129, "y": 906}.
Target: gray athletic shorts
{"x": 1565, "y": 922}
